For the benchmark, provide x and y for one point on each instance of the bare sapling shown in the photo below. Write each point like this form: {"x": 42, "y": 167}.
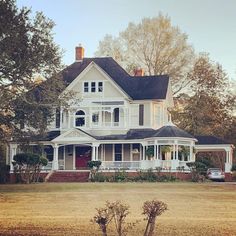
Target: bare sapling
{"x": 119, "y": 212}
{"x": 152, "y": 209}
{"x": 103, "y": 217}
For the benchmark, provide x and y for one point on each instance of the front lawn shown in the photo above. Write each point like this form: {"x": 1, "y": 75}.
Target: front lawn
{"x": 66, "y": 208}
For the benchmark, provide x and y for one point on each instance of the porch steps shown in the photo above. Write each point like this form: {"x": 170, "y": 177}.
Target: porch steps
{"x": 69, "y": 176}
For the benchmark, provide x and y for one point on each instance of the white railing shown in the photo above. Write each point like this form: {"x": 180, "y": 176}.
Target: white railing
{"x": 48, "y": 166}
{"x": 166, "y": 165}
{"x": 113, "y": 165}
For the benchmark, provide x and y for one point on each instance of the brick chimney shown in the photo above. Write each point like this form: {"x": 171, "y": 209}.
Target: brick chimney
{"x": 79, "y": 53}
{"x": 138, "y": 72}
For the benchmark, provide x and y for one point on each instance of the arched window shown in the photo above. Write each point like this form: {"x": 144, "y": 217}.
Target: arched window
{"x": 80, "y": 118}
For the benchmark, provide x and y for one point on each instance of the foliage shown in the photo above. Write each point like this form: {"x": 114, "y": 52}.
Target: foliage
{"x": 28, "y": 166}
{"x": 209, "y": 110}
{"x": 233, "y": 167}
{"x": 120, "y": 176}
{"x": 4, "y": 172}
{"x": 28, "y": 56}
{"x": 96, "y": 164}
{"x": 152, "y": 209}
{"x": 142, "y": 176}
{"x": 154, "y": 45}
{"x": 165, "y": 148}
{"x": 150, "y": 151}
{"x": 94, "y": 167}
{"x": 198, "y": 170}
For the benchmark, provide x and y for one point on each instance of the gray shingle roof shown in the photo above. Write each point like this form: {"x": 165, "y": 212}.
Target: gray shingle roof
{"x": 137, "y": 87}
{"x": 207, "y": 139}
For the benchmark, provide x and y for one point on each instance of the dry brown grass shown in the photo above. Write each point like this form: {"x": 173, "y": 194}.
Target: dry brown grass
{"x": 66, "y": 209}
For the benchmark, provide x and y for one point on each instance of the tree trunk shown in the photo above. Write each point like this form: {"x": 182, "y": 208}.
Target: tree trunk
{"x": 104, "y": 230}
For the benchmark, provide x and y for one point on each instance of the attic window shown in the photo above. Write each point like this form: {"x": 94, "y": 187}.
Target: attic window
{"x": 100, "y": 87}
{"x": 93, "y": 87}
{"x": 86, "y": 87}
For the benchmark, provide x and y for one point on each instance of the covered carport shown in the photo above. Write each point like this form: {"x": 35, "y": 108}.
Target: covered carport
{"x": 214, "y": 144}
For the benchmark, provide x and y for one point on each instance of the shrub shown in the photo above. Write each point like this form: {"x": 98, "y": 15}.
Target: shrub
{"x": 27, "y": 166}
{"x": 233, "y": 167}
{"x": 120, "y": 176}
{"x": 100, "y": 177}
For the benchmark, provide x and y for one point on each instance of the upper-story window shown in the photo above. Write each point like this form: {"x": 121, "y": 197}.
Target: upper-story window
{"x": 58, "y": 118}
{"x": 86, "y": 87}
{"x": 93, "y": 87}
{"x": 80, "y": 118}
{"x": 100, "y": 87}
{"x": 141, "y": 114}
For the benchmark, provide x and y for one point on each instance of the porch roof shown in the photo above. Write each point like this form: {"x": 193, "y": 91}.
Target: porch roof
{"x": 208, "y": 139}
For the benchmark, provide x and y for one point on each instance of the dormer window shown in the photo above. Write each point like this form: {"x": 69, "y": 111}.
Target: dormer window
{"x": 79, "y": 118}
{"x": 86, "y": 87}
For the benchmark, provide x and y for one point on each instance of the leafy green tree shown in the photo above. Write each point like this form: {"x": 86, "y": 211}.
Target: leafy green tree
{"x": 154, "y": 45}
{"x": 28, "y": 166}
{"x": 27, "y": 50}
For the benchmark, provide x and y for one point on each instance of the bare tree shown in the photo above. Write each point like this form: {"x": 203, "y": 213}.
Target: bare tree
{"x": 156, "y": 46}
{"x": 152, "y": 209}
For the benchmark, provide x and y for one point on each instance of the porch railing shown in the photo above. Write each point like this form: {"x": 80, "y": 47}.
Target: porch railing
{"x": 48, "y": 166}
{"x": 113, "y": 165}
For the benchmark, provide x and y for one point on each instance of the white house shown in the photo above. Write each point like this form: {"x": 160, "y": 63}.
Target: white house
{"x": 115, "y": 118}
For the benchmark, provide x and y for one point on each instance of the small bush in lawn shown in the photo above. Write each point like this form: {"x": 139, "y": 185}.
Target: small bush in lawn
{"x": 120, "y": 176}
{"x": 103, "y": 217}
{"x": 152, "y": 209}
{"x": 100, "y": 177}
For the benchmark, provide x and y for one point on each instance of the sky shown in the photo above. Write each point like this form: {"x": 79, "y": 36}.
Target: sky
{"x": 209, "y": 24}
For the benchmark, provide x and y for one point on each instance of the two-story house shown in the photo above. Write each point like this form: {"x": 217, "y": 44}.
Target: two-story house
{"x": 119, "y": 119}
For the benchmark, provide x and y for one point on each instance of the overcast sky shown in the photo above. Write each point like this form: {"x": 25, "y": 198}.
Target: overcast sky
{"x": 210, "y": 24}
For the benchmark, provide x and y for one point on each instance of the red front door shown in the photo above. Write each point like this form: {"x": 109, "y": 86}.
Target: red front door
{"x": 83, "y": 155}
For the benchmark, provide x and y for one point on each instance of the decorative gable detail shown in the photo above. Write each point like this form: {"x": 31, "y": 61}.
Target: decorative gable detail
{"x": 74, "y": 135}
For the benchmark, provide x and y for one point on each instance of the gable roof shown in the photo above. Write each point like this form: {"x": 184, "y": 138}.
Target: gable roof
{"x": 137, "y": 87}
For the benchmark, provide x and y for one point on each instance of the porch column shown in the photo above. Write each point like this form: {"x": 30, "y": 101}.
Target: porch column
{"x": 55, "y": 157}
{"x": 228, "y": 160}
{"x": 175, "y": 161}
{"x": 13, "y": 149}
{"x": 144, "y": 152}
{"x": 155, "y": 152}
{"x": 96, "y": 152}
{"x": 191, "y": 153}
{"x": 93, "y": 153}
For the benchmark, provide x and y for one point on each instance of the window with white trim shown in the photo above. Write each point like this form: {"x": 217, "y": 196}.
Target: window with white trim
{"x": 100, "y": 87}
{"x": 79, "y": 118}
{"x": 86, "y": 87}
{"x": 118, "y": 152}
{"x": 93, "y": 87}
